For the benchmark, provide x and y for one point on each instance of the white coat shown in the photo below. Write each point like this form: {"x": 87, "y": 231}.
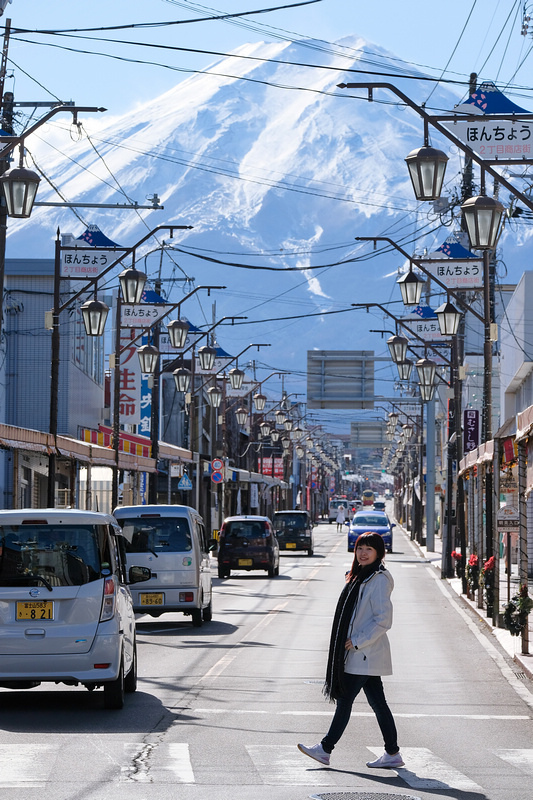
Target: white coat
{"x": 371, "y": 619}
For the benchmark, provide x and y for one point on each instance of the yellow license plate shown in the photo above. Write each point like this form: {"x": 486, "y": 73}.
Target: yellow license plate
{"x": 152, "y": 599}
{"x": 290, "y": 546}
{"x": 35, "y": 609}
{"x": 245, "y": 562}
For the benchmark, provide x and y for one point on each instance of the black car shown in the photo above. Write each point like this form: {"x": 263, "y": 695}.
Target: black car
{"x": 294, "y": 530}
{"x": 249, "y": 543}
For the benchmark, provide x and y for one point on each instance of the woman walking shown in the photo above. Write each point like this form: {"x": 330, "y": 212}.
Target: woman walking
{"x": 341, "y": 517}
{"x": 359, "y": 651}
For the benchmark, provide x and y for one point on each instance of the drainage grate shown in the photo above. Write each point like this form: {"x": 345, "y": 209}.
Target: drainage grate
{"x": 362, "y": 796}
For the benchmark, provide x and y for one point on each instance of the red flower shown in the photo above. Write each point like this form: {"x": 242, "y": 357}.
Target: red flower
{"x": 473, "y": 561}
{"x": 457, "y": 555}
{"x": 489, "y": 564}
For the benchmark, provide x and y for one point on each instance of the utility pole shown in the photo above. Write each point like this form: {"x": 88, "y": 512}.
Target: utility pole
{"x": 6, "y": 123}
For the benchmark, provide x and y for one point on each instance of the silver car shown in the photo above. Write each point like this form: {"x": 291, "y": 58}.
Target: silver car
{"x": 66, "y": 612}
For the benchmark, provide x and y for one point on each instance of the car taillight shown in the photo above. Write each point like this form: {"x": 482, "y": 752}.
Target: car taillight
{"x": 108, "y": 604}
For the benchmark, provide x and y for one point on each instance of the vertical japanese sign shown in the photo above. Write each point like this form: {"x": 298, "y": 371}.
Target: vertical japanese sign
{"x": 135, "y": 393}
{"x": 470, "y": 430}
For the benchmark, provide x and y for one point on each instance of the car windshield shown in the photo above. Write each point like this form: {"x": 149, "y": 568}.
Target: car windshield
{"x": 245, "y": 529}
{"x": 370, "y": 519}
{"x": 156, "y": 535}
{"x": 49, "y": 555}
{"x": 292, "y": 521}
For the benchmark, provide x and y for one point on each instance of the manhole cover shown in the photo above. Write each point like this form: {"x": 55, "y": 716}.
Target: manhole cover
{"x": 362, "y": 796}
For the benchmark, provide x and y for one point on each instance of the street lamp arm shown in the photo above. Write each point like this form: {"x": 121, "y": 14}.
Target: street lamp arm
{"x": 12, "y": 142}
{"x": 171, "y": 307}
{"x": 403, "y": 324}
{"x": 125, "y": 252}
{"x": 430, "y": 120}
{"x": 214, "y": 375}
{"x": 206, "y": 333}
{"x": 418, "y": 264}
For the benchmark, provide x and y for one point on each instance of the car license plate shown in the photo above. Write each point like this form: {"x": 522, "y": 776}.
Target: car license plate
{"x": 291, "y": 546}
{"x": 245, "y": 562}
{"x": 35, "y": 609}
{"x": 152, "y": 599}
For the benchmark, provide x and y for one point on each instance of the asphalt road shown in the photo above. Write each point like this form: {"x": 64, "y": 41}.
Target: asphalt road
{"x": 220, "y": 709}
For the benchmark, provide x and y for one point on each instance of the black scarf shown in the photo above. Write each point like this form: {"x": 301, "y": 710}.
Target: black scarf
{"x": 334, "y": 683}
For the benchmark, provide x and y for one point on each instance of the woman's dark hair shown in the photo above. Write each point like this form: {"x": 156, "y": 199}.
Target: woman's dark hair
{"x": 370, "y": 540}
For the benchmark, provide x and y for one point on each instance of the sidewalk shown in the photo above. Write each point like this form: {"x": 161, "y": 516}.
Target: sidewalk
{"x": 511, "y": 644}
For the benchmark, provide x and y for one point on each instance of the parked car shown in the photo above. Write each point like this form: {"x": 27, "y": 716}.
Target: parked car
{"x": 172, "y": 541}
{"x": 66, "y": 612}
{"x": 368, "y": 521}
{"x": 294, "y": 530}
{"x": 249, "y": 543}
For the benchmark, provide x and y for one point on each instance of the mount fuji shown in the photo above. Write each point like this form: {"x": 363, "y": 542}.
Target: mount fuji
{"x": 278, "y": 171}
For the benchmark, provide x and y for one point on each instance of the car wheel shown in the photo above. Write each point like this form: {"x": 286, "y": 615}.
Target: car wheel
{"x": 310, "y": 551}
{"x": 222, "y": 573}
{"x": 130, "y": 681}
{"x": 114, "y": 690}
{"x": 271, "y": 572}
{"x": 207, "y": 613}
{"x": 196, "y": 617}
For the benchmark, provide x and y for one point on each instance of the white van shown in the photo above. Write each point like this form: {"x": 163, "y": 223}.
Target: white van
{"x": 66, "y": 612}
{"x": 172, "y": 542}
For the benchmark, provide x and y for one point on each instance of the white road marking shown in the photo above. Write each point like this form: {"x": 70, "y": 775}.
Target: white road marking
{"x": 408, "y": 566}
{"x": 176, "y": 766}
{"x": 284, "y": 765}
{"x": 522, "y": 759}
{"x": 521, "y": 690}
{"x": 360, "y": 714}
{"x": 424, "y": 770}
{"x": 27, "y": 765}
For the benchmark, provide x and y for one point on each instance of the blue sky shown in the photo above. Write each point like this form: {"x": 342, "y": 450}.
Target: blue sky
{"x": 470, "y": 35}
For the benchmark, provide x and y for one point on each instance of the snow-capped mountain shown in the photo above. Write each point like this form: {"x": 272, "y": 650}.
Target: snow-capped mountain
{"x": 273, "y": 166}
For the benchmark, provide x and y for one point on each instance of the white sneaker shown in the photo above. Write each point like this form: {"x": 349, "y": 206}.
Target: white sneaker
{"x": 387, "y": 761}
{"x": 316, "y": 751}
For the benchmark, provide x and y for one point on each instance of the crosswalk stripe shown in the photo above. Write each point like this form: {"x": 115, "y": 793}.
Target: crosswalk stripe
{"x": 425, "y": 770}
{"x": 173, "y": 764}
{"x": 522, "y": 759}
{"x": 28, "y": 765}
{"x": 286, "y": 765}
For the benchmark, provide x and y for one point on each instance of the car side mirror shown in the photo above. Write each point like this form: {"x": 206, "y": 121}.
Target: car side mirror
{"x": 393, "y": 524}
{"x": 212, "y": 545}
{"x": 139, "y": 574}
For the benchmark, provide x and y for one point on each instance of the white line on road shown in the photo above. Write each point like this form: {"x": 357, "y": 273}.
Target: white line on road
{"x": 285, "y": 765}
{"x": 425, "y": 770}
{"x": 522, "y": 759}
{"x": 359, "y": 714}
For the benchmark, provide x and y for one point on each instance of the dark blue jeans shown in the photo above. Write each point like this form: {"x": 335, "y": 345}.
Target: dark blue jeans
{"x": 373, "y": 689}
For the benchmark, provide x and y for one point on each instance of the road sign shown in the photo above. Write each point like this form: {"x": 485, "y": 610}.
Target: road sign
{"x": 217, "y": 477}
{"x": 217, "y": 465}
{"x": 185, "y": 483}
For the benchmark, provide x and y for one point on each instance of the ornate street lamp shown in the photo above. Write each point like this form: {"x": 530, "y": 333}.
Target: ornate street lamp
{"x": 214, "y": 396}
{"x": 94, "y": 313}
{"x": 20, "y": 187}
{"x": 206, "y": 356}
{"x": 241, "y": 415}
{"x": 132, "y": 284}
{"x": 449, "y": 318}
{"x": 280, "y": 416}
{"x": 411, "y": 288}
{"x": 426, "y": 371}
{"x": 274, "y": 435}
{"x": 148, "y": 357}
{"x": 264, "y": 427}
{"x": 286, "y": 444}
{"x": 404, "y": 369}
{"x": 482, "y": 217}
{"x": 427, "y": 166}
{"x": 236, "y": 378}
{"x": 178, "y": 330}
{"x": 426, "y": 393}
{"x": 288, "y": 425}
{"x": 300, "y": 451}
{"x": 398, "y": 348}
{"x": 259, "y": 401}
{"x": 182, "y": 379}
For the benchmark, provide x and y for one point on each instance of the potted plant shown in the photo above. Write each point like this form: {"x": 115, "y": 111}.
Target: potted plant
{"x": 486, "y": 582}
{"x": 516, "y": 612}
{"x": 458, "y": 562}
{"x": 472, "y": 575}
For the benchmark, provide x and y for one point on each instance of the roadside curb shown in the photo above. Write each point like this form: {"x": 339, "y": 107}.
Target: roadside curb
{"x": 505, "y": 640}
